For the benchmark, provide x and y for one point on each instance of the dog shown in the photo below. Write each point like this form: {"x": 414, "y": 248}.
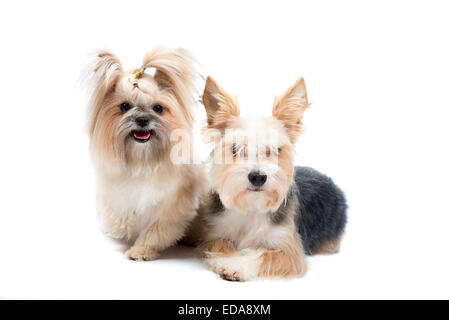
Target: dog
{"x": 143, "y": 196}
{"x": 262, "y": 215}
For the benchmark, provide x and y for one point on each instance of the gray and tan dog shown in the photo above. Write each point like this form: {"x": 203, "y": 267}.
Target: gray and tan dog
{"x": 262, "y": 215}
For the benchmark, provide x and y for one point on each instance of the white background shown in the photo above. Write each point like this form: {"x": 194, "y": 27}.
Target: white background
{"x": 377, "y": 73}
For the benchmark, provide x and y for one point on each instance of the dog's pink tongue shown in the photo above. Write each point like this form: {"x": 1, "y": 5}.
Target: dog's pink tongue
{"x": 143, "y": 135}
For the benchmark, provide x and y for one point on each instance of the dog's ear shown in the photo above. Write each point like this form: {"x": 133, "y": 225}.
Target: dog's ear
{"x": 100, "y": 76}
{"x": 102, "y": 70}
{"x": 220, "y": 107}
{"x": 290, "y": 108}
{"x": 176, "y": 73}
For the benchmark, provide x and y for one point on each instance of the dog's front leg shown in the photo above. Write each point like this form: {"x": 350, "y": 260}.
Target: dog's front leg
{"x": 115, "y": 225}
{"x": 158, "y": 236}
{"x": 216, "y": 247}
{"x": 288, "y": 261}
{"x": 249, "y": 264}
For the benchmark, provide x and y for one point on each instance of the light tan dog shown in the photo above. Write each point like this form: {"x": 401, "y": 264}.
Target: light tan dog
{"x": 142, "y": 195}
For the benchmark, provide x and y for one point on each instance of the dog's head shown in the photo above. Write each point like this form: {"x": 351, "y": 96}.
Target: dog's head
{"x": 252, "y": 159}
{"x": 132, "y": 114}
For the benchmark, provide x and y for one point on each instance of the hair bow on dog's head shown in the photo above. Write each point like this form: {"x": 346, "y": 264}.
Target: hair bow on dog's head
{"x": 138, "y": 72}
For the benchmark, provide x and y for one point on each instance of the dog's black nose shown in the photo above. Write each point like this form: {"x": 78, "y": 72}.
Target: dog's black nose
{"x": 257, "y": 178}
{"x": 142, "y": 121}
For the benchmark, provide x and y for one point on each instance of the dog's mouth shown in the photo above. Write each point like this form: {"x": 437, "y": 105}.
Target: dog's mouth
{"x": 142, "y": 136}
{"x": 255, "y": 189}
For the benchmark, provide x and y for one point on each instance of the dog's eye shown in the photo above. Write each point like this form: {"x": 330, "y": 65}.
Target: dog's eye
{"x": 274, "y": 152}
{"x": 158, "y": 109}
{"x": 125, "y": 106}
{"x": 234, "y": 150}
{"x": 268, "y": 152}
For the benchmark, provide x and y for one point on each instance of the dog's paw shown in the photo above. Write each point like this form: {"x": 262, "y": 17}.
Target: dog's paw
{"x": 138, "y": 253}
{"x": 229, "y": 275}
{"x": 239, "y": 267}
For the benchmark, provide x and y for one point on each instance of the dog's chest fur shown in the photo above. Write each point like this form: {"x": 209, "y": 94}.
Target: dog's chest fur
{"x": 253, "y": 229}
{"x": 136, "y": 201}
{"x": 250, "y": 230}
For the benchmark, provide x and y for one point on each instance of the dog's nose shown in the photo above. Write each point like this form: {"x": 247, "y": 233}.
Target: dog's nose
{"x": 257, "y": 178}
{"x": 142, "y": 121}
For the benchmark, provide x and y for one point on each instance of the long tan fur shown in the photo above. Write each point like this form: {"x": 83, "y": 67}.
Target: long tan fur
{"x": 143, "y": 197}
